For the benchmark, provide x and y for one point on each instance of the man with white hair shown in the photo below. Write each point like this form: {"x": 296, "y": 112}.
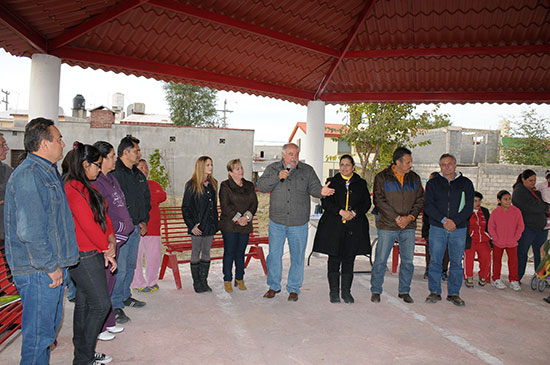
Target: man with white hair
{"x": 291, "y": 183}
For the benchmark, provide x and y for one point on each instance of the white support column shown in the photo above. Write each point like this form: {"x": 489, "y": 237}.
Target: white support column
{"x": 313, "y": 147}
{"x": 313, "y": 152}
{"x": 44, "y": 89}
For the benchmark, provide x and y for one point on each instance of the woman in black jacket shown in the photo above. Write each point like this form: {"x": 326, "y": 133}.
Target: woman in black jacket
{"x": 343, "y": 230}
{"x": 200, "y": 213}
{"x": 533, "y": 209}
{"x": 238, "y": 203}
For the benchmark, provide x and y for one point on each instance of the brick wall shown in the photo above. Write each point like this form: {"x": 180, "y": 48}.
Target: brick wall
{"x": 102, "y": 119}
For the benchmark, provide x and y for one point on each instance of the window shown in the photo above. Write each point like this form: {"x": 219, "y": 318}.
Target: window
{"x": 332, "y": 172}
{"x": 16, "y": 156}
{"x": 343, "y": 147}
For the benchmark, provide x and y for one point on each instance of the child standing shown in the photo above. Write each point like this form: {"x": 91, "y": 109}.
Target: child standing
{"x": 477, "y": 240}
{"x": 506, "y": 227}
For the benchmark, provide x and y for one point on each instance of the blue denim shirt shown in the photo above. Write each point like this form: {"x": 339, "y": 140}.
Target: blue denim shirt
{"x": 40, "y": 231}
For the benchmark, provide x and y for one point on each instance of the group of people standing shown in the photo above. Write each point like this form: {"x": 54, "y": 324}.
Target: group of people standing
{"x": 90, "y": 222}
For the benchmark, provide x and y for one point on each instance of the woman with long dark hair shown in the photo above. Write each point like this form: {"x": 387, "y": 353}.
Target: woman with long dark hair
{"x": 200, "y": 212}
{"x": 343, "y": 230}
{"x": 109, "y": 187}
{"x": 96, "y": 243}
{"x": 534, "y": 210}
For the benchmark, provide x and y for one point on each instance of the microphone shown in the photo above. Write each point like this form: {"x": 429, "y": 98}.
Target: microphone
{"x": 288, "y": 167}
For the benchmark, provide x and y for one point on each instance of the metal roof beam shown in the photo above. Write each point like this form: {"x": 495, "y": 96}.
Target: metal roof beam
{"x": 439, "y": 97}
{"x": 93, "y": 23}
{"x": 24, "y": 30}
{"x": 165, "y": 69}
{"x": 450, "y": 51}
{"x": 240, "y": 25}
{"x": 347, "y": 44}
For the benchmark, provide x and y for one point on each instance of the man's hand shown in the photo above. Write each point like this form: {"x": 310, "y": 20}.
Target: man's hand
{"x": 242, "y": 221}
{"x": 449, "y": 225}
{"x": 283, "y": 174}
{"x": 57, "y": 278}
{"x": 196, "y": 231}
{"x": 112, "y": 261}
{"x": 403, "y": 221}
{"x": 142, "y": 228}
{"x": 326, "y": 191}
{"x": 347, "y": 215}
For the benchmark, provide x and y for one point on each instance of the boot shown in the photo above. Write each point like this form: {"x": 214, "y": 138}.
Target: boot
{"x": 203, "y": 274}
{"x": 334, "y": 286}
{"x": 195, "y": 268}
{"x": 347, "y": 279}
{"x": 227, "y": 286}
{"x": 240, "y": 284}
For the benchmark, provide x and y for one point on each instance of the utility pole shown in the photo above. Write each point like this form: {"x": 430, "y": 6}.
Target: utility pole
{"x": 225, "y": 111}
{"x": 5, "y": 99}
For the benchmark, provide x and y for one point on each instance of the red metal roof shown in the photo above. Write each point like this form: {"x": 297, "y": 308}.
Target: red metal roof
{"x": 331, "y": 130}
{"x": 300, "y": 50}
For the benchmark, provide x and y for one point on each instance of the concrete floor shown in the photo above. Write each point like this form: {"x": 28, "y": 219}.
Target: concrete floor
{"x": 181, "y": 327}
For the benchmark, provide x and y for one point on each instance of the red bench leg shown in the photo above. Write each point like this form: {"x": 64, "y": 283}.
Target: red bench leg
{"x": 257, "y": 252}
{"x": 175, "y": 270}
{"x": 163, "y": 266}
{"x": 395, "y": 258}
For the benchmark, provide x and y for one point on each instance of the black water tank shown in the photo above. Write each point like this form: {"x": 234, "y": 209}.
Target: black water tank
{"x": 78, "y": 102}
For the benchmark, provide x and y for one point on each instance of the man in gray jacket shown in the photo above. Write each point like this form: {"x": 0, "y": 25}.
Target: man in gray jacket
{"x": 291, "y": 183}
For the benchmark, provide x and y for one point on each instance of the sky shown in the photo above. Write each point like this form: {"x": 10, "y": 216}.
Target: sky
{"x": 273, "y": 120}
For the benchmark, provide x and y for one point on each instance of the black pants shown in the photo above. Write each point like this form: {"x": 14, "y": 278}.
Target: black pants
{"x": 92, "y": 304}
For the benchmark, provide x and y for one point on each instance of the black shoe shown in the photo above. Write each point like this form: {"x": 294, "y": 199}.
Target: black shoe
{"x": 120, "y": 316}
{"x": 456, "y": 300}
{"x": 204, "y": 267}
{"x": 433, "y": 298}
{"x": 334, "y": 286}
{"x": 72, "y": 300}
{"x": 444, "y": 276}
{"x": 547, "y": 299}
{"x": 406, "y": 298}
{"x": 345, "y": 293}
{"x": 375, "y": 298}
{"x": 426, "y": 276}
{"x": 131, "y": 302}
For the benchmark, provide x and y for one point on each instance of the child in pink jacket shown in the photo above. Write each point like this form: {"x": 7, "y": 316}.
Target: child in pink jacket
{"x": 506, "y": 227}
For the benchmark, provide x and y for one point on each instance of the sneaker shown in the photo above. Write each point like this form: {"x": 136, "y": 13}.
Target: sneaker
{"x": 120, "y": 316}
{"x": 154, "y": 287}
{"x": 106, "y": 336}
{"x": 145, "y": 290}
{"x": 115, "y": 329}
{"x": 498, "y": 284}
{"x": 482, "y": 282}
{"x": 102, "y": 358}
{"x": 444, "y": 276}
{"x": 515, "y": 285}
{"x": 132, "y": 302}
{"x": 469, "y": 282}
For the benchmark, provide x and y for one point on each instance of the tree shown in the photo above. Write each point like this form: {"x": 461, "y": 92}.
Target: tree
{"x": 530, "y": 142}
{"x": 191, "y": 105}
{"x": 375, "y": 130}
{"x": 157, "y": 171}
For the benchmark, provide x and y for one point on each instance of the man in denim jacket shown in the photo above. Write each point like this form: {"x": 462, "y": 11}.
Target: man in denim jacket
{"x": 40, "y": 238}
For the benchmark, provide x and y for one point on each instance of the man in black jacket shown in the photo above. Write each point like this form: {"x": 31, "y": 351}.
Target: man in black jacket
{"x": 138, "y": 200}
{"x": 449, "y": 203}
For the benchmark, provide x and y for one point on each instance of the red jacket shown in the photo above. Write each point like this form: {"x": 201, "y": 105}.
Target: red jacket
{"x": 478, "y": 228}
{"x": 158, "y": 195}
{"x": 89, "y": 234}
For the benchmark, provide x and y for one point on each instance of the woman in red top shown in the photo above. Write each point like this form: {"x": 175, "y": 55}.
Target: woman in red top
{"x": 96, "y": 243}
{"x": 149, "y": 245}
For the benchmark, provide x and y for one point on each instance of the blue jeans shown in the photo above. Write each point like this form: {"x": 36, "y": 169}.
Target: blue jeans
{"x": 534, "y": 238}
{"x": 92, "y": 304}
{"x": 297, "y": 241}
{"x": 440, "y": 240}
{"x": 42, "y": 310}
{"x": 126, "y": 260}
{"x": 386, "y": 239}
{"x": 234, "y": 247}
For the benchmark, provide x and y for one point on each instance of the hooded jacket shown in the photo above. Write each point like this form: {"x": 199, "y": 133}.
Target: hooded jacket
{"x": 136, "y": 191}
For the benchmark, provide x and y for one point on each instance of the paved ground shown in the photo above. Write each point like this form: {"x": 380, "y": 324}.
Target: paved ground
{"x": 181, "y": 327}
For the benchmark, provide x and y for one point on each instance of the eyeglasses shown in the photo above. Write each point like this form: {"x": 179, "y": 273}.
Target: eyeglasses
{"x": 97, "y": 164}
{"x": 4, "y": 145}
